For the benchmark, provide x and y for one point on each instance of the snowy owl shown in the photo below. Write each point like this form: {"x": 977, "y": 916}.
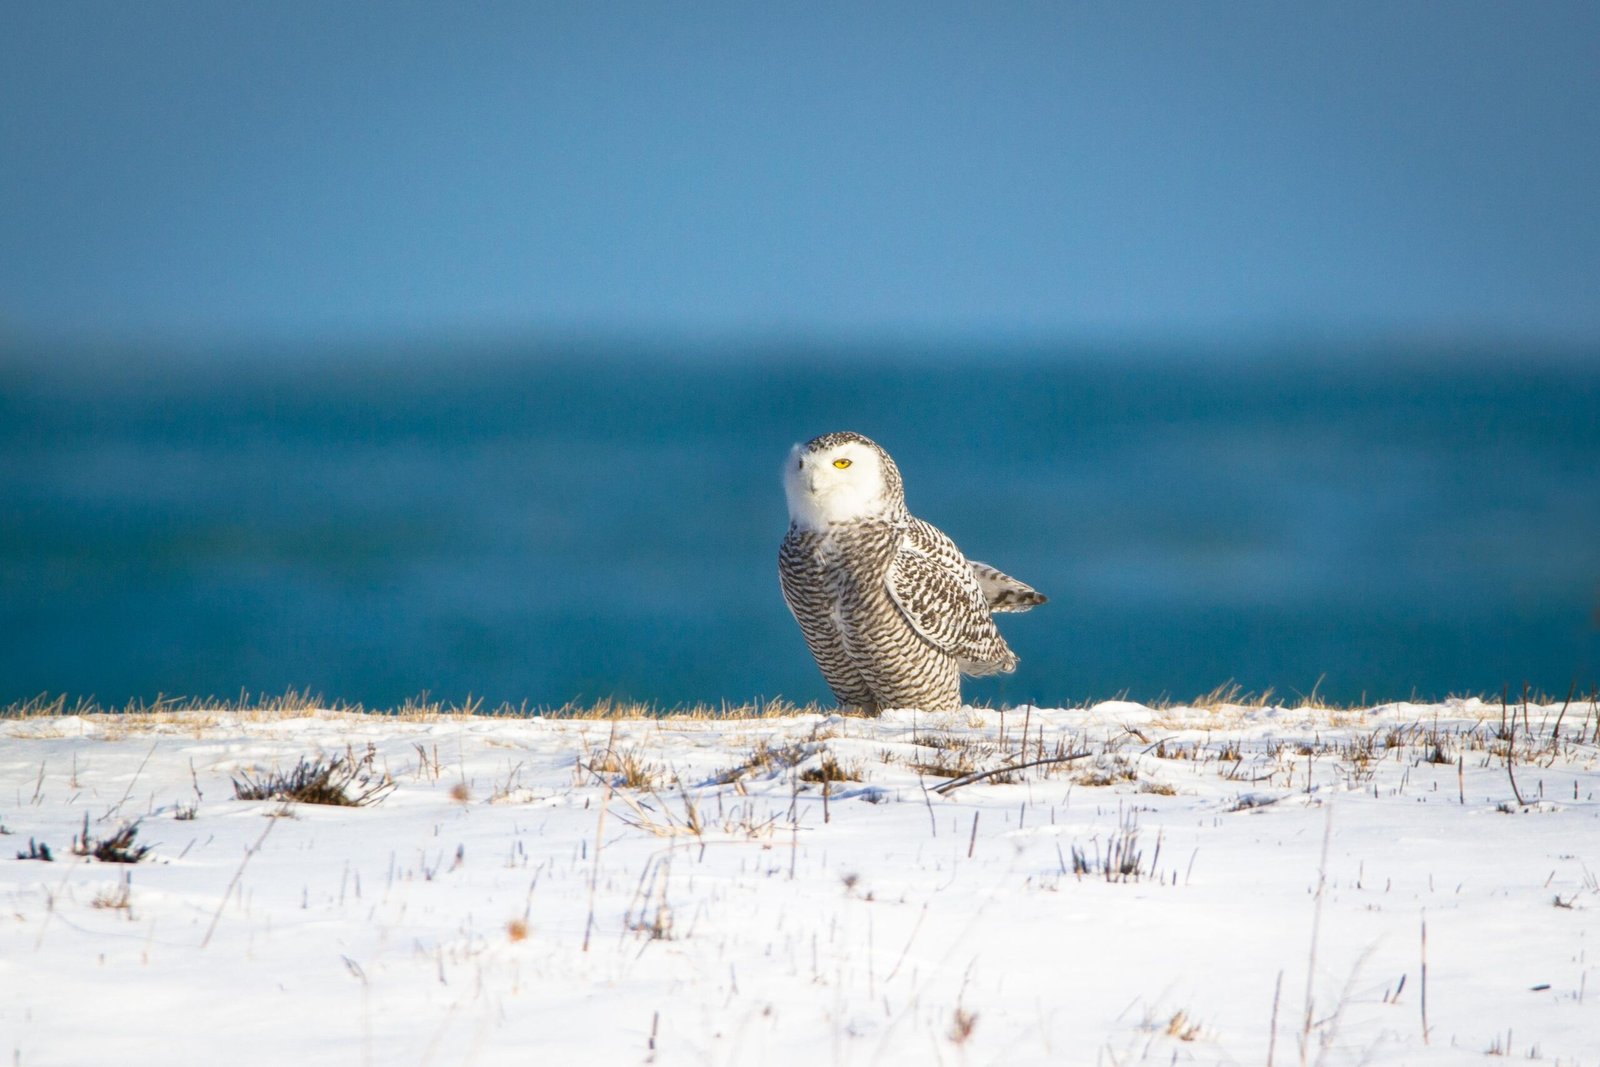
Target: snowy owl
{"x": 890, "y": 608}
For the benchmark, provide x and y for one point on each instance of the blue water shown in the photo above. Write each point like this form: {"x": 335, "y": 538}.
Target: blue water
{"x": 564, "y": 522}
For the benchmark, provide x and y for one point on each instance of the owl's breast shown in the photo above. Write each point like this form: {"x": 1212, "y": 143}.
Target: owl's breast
{"x": 858, "y": 554}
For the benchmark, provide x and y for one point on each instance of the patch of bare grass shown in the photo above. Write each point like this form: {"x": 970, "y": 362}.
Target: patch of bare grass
{"x": 117, "y": 897}
{"x": 1107, "y": 770}
{"x": 765, "y": 757}
{"x": 949, "y": 755}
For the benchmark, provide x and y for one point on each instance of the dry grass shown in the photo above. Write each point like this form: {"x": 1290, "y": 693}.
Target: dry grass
{"x": 189, "y": 712}
{"x": 1107, "y": 772}
{"x": 1231, "y": 695}
{"x": 611, "y": 709}
{"x": 290, "y": 704}
{"x": 294, "y": 703}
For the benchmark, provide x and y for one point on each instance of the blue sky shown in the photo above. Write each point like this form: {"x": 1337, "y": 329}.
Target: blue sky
{"x": 218, "y": 170}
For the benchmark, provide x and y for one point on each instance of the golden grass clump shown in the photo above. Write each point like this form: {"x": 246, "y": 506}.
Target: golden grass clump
{"x": 831, "y": 770}
{"x": 626, "y": 766}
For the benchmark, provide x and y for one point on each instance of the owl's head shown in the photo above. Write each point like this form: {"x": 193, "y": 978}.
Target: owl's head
{"x": 841, "y": 477}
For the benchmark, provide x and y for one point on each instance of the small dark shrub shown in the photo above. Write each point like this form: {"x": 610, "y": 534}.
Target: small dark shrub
{"x": 118, "y": 848}
{"x": 1122, "y": 861}
{"x": 36, "y": 851}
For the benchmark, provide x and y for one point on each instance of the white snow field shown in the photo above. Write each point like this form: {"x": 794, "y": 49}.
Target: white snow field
{"x": 1302, "y": 885}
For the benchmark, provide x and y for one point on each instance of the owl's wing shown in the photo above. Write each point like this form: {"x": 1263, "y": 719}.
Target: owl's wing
{"x": 938, "y": 593}
{"x": 1004, "y": 592}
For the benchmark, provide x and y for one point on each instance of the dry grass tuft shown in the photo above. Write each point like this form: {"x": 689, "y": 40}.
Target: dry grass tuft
{"x": 831, "y": 770}
{"x": 343, "y": 781}
{"x": 626, "y": 766}
{"x": 962, "y": 1023}
{"x": 1231, "y": 694}
{"x": 1182, "y": 1027}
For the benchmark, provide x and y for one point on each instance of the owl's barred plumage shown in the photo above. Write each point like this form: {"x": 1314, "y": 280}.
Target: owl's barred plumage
{"x": 892, "y": 611}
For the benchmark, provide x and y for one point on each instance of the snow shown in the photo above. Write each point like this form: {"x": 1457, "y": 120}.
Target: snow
{"x": 509, "y": 898}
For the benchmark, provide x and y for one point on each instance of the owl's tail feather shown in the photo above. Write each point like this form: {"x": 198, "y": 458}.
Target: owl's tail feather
{"x": 1003, "y": 592}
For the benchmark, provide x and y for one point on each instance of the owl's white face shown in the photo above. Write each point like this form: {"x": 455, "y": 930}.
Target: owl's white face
{"x": 840, "y": 483}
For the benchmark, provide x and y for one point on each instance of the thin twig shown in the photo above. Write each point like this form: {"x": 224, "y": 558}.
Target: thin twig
{"x": 1424, "y": 977}
{"x": 1272, "y": 1034}
{"x": 906, "y": 951}
{"x": 1316, "y": 927}
{"x": 113, "y": 809}
{"x": 978, "y": 776}
{"x": 1555, "y": 731}
{"x": 238, "y": 874}
{"x": 1511, "y": 753}
{"x": 599, "y": 842}
{"x": 50, "y": 899}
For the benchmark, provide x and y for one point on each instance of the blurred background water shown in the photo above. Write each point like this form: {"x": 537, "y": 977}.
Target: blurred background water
{"x": 375, "y": 348}
{"x": 551, "y": 522}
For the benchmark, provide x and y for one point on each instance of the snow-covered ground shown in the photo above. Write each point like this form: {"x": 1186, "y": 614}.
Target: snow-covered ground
{"x": 1304, "y": 886}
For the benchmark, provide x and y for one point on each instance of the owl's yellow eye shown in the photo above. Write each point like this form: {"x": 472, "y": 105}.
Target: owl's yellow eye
{"x": 841, "y": 463}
